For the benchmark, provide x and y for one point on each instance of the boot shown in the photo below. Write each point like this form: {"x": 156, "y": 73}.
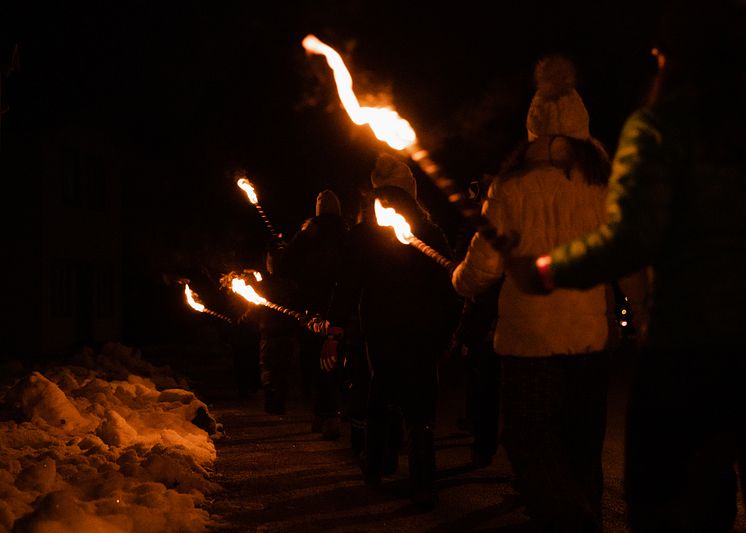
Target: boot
{"x": 392, "y": 444}
{"x": 422, "y": 467}
{"x": 371, "y": 459}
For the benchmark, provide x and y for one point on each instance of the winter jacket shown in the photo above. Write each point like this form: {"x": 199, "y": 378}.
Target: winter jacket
{"x": 396, "y": 290}
{"x": 675, "y": 202}
{"x": 312, "y": 260}
{"x": 546, "y": 204}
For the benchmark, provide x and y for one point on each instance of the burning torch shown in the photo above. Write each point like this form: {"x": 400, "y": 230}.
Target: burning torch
{"x": 387, "y": 216}
{"x": 246, "y": 186}
{"x": 191, "y": 299}
{"x": 389, "y": 127}
{"x": 314, "y": 323}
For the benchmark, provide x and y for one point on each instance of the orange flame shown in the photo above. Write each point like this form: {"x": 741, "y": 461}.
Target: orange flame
{"x": 387, "y": 216}
{"x": 190, "y": 296}
{"x": 257, "y": 276}
{"x": 245, "y": 184}
{"x": 386, "y": 123}
{"x": 240, "y": 287}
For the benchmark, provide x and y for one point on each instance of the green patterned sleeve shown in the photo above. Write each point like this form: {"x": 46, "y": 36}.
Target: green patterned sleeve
{"x": 637, "y": 212}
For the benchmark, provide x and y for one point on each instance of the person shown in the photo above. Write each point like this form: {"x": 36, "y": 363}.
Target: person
{"x": 408, "y": 312}
{"x": 312, "y": 261}
{"x": 278, "y": 333}
{"x": 473, "y": 338}
{"x": 675, "y": 204}
{"x": 472, "y": 342}
{"x": 552, "y": 347}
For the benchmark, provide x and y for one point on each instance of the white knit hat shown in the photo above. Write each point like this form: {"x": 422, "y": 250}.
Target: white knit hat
{"x": 327, "y": 203}
{"x": 557, "y": 108}
{"x": 390, "y": 172}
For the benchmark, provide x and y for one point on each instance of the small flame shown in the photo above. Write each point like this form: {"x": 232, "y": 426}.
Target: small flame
{"x": 245, "y": 184}
{"x": 190, "y": 296}
{"x": 257, "y": 276}
{"x": 387, "y": 216}
{"x": 240, "y": 287}
{"x": 386, "y": 123}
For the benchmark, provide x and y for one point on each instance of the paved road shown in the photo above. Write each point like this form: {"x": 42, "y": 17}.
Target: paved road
{"x": 278, "y": 476}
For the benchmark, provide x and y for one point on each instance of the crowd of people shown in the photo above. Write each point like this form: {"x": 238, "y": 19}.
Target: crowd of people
{"x": 659, "y": 223}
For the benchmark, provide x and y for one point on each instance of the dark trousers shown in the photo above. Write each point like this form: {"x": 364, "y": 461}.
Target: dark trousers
{"x": 324, "y": 387}
{"x": 276, "y": 355}
{"x": 554, "y": 421}
{"x": 686, "y": 433}
{"x": 404, "y": 379}
{"x": 483, "y": 397}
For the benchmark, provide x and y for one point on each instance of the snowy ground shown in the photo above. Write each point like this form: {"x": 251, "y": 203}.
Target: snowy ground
{"x": 107, "y": 443}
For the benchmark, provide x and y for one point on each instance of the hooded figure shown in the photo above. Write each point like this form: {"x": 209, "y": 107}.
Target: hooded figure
{"x": 407, "y": 311}
{"x": 312, "y": 260}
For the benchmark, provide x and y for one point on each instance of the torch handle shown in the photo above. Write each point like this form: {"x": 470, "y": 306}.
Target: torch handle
{"x": 267, "y": 223}
{"x": 217, "y": 315}
{"x": 433, "y": 254}
{"x": 469, "y": 210}
{"x": 295, "y": 314}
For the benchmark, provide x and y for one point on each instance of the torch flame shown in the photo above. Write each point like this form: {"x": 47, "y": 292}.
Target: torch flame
{"x": 386, "y": 123}
{"x": 190, "y": 296}
{"x": 240, "y": 287}
{"x": 245, "y": 184}
{"x": 387, "y": 216}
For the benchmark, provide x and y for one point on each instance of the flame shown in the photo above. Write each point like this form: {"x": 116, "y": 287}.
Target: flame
{"x": 257, "y": 276}
{"x": 190, "y": 296}
{"x": 387, "y": 216}
{"x": 245, "y": 184}
{"x": 386, "y": 123}
{"x": 240, "y": 287}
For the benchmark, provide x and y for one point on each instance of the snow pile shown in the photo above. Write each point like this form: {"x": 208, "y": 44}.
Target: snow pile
{"x": 98, "y": 446}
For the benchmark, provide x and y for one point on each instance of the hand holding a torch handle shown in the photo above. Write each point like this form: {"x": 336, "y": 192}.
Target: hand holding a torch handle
{"x": 314, "y": 323}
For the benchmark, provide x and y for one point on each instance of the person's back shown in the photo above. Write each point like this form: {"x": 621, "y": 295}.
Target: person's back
{"x": 699, "y": 289}
{"x": 553, "y": 348}
{"x": 407, "y": 312}
{"x": 549, "y": 200}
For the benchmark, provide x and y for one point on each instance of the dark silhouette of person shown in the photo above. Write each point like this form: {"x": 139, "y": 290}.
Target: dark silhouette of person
{"x": 408, "y": 312}
{"x": 312, "y": 260}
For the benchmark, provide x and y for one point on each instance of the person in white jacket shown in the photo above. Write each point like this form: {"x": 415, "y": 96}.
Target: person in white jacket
{"x": 552, "y": 347}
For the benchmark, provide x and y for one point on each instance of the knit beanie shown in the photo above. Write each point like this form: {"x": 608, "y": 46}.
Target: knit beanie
{"x": 390, "y": 172}
{"x": 327, "y": 203}
{"x": 556, "y": 108}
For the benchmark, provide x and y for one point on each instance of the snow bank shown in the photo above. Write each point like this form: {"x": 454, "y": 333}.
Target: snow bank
{"x": 109, "y": 443}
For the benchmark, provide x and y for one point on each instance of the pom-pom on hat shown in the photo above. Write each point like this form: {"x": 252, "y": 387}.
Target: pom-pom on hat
{"x": 557, "y": 108}
{"x": 327, "y": 203}
{"x": 390, "y": 172}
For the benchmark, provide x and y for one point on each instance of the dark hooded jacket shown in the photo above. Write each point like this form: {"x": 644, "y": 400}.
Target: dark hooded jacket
{"x": 396, "y": 290}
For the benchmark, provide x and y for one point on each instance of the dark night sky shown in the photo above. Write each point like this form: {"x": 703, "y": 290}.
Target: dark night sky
{"x": 190, "y": 90}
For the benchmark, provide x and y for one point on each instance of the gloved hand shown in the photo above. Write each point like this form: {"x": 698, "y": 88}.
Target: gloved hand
{"x": 316, "y": 324}
{"x": 329, "y": 356}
